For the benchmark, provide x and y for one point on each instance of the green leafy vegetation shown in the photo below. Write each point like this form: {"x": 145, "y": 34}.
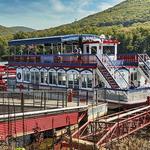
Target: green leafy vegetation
{"x": 20, "y": 28}
{"x": 129, "y": 22}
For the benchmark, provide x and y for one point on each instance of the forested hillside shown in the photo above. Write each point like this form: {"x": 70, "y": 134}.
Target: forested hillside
{"x": 128, "y": 21}
{"x": 20, "y": 28}
{"x": 6, "y": 31}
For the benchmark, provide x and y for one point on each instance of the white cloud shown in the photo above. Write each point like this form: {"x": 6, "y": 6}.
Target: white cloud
{"x": 56, "y": 12}
{"x": 118, "y": 1}
{"x": 61, "y": 13}
{"x": 82, "y": 3}
{"x": 103, "y": 6}
{"x": 57, "y": 6}
{"x": 48, "y": 13}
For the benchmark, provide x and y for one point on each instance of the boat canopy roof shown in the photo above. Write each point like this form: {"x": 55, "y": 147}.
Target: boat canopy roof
{"x": 55, "y": 39}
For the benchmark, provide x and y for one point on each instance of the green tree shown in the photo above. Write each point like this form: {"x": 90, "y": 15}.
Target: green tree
{"x": 3, "y": 47}
{"x": 20, "y": 35}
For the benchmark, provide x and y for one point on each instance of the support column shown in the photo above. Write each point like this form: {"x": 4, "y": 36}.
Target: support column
{"x": 93, "y": 79}
{"x": 57, "y": 48}
{"x": 64, "y": 48}
{"x": 115, "y": 52}
{"x": 80, "y": 81}
{"x": 61, "y": 48}
{"x": 72, "y": 48}
{"x": 66, "y": 80}
{"x": 52, "y": 47}
{"x": 102, "y": 51}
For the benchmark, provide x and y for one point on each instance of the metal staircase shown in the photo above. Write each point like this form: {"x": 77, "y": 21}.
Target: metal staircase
{"x": 106, "y": 74}
{"x": 107, "y": 68}
{"x": 110, "y": 64}
{"x": 144, "y": 67}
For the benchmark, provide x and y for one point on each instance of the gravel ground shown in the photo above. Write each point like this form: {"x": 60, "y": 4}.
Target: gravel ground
{"x": 140, "y": 140}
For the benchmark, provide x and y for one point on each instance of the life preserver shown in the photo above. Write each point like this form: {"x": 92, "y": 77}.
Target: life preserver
{"x": 19, "y": 76}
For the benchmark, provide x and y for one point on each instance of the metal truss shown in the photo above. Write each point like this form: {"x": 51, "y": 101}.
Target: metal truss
{"x": 110, "y": 128}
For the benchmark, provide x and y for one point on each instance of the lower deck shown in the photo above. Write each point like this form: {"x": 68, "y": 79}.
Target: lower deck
{"x": 66, "y": 78}
{"x": 23, "y": 113}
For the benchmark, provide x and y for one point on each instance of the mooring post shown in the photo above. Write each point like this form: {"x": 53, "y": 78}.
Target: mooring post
{"x": 87, "y": 98}
{"x": 22, "y": 110}
{"x": 22, "y": 102}
{"x": 45, "y": 100}
{"x": 96, "y": 98}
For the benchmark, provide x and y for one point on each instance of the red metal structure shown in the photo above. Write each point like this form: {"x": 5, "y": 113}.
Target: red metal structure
{"x": 113, "y": 127}
{"x": 6, "y": 73}
{"x": 20, "y": 124}
{"x": 4, "y": 70}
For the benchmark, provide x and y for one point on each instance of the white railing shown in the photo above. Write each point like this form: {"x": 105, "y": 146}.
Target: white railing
{"x": 113, "y": 68}
{"x": 142, "y": 58}
{"x": 101, "y": 64}
{"x": 137, "y": 95}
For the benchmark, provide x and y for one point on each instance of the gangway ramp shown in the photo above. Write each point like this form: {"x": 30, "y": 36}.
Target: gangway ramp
{"x": 106, "y": 129}
{"x": 25, "y": 123}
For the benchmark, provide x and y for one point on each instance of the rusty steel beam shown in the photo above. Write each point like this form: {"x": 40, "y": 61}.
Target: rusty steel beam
{"x": 44, "y": 120}
{"x": 113, "y": 127}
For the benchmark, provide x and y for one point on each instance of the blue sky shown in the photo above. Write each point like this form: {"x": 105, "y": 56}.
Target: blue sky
{"x": 41, "y": 14}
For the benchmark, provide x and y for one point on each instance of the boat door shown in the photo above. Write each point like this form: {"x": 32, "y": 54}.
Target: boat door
{"x": 91, "y": 49}
{"x": 86, "y": 49}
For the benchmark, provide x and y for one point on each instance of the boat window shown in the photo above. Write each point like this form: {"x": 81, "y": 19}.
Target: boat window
{"x": 32, "y": 77}
{"x": 70, "y": 80}
{"x": 109, "y": 50}
{"x": 52, "y": 78}
{"x": 87, "y": 49}
{"x": 61, "y": 78}
{"x": 48, "y": 49}
{"x": 44, "y": 77}
{"x": 68, "y": 48}
{"x": 94, "y": 50}
{"x": 36, "y": 77}
{"x": 89, "y": 81}
{"x": 73, "y": 81}
{"x": 76, "y": 81}
{"x": 86, "y": 80}
{"x": 55, "y": 49}
{"x": 26, "y": 75}
{"x": 133, "y": 76}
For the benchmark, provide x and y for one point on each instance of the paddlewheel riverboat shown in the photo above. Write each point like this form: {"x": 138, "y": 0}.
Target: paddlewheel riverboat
{"x": 82, "y": 62}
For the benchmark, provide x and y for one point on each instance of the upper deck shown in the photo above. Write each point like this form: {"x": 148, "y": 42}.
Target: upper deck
{"x": 76, "y": 50}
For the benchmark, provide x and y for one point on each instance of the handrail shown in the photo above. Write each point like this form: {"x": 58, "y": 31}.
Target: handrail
{"x": 125, "y": 90}
{"x": 61, "y": 54}
{"x": 63, "y": 58}
{"x": 40, "y": 112}
{"x": 106, "y": 69}
{"x": 140, "y": 57}
{"x": 144, "y": 55}
{"x": 116, "y": 69}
